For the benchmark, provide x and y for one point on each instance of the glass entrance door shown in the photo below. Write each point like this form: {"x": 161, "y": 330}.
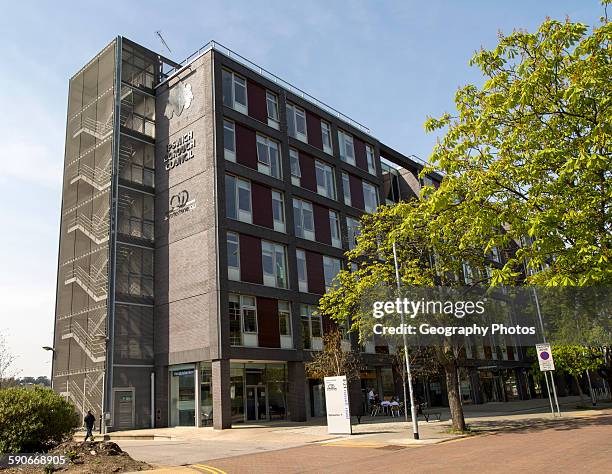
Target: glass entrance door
{"x": 256, "y": 403}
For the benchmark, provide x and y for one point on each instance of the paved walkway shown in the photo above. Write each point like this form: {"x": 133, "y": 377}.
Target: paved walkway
{"x": 189, "y": 446}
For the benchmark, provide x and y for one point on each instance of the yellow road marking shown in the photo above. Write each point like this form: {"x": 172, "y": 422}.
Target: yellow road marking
{"x": 211, "y": 469}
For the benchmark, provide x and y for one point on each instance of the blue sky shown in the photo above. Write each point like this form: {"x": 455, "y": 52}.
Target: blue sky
{"x": 387, "y": 64}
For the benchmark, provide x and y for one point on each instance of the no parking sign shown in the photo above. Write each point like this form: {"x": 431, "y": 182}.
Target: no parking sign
{"x": 545, "y": 357}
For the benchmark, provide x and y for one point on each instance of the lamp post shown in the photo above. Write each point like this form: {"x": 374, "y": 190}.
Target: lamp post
{"x": 415, "y": 422}
{"x": 49, "y": 348}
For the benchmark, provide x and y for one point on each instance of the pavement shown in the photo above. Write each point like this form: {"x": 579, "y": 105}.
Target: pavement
{"x": 194, "y": 449}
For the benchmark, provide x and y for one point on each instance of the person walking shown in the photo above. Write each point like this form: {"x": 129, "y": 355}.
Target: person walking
{"x": 89, "y": 424}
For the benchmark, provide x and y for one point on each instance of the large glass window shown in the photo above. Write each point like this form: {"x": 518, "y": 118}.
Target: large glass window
{"x": 334, "y": 225}
{"x": 352, "y": 227}
{"x": 136, "y": 68}
{"x": 274, "y": 263}
{"x": 272, "y": 107}
{"x": 134, "y": 271}
{"x": 268, "y": 153}
{"x": 136, "y": 162}
{"x": 278, "y": 211}
{"x": 243, "y": 319}
{"x": 233, "y": 256}
{"x": 312, "y": 327}
{"x": 238, "y": 199}
{"x": 296, "y": 122}
{"x": 347, "y": 150}
{"x": 249, "y": 314}
{"x": 331, "y": 268}
{"x": 301, "y": 270}
{"x": 327, "y": 137}
{"x": 138, "y": 111}
{"x": 325, "y": 180}
{"x": 294, "y": 159}
{"x": 284, "y": 318}
{"x": 346, "y": 188}
{"x": 234, "y": 91}
{"x": 235, "y": 320}
{"x": 136, "y": 214}
{"x": 370, "y": 197}
{"x": 182, "y": 395}
{"x": 229, "y": 140}
{"x": 303, "y": 219}
{"x": 370, "y": 159}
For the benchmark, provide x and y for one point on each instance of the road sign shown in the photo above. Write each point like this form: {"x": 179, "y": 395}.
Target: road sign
{"x": 545, "y": 357}
{"x": 337, "y": 405}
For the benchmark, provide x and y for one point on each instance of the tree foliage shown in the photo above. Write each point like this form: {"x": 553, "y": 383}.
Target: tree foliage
{"x": 333, "y": 360}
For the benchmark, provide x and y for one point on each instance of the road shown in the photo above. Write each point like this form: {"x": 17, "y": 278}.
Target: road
{"x": 579, "y": 444}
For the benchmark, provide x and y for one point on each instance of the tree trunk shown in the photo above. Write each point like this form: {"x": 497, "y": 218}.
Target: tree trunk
{"x": 454, "y": 399}
{"x": 580, "y": 392}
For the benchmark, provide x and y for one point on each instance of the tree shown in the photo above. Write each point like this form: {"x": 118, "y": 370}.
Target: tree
{"x": 576, "y": 360}
{"x": 7, "y": 362}
{"x": 333, "y": 360}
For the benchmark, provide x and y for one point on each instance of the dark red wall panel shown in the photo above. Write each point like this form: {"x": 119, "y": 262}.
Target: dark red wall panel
{"x": 313, "y": 124}
{"x": 314, "y": 270}
{"x": 246, "y": 146}
{"x": 321, "y": 222}
{"x": 267, "y": 322}
{"x": 262, "y": 205}
{"x": 360, "y": 154}
{"x": 356, "y": 192}
{"x": 250, "y": 259}
{"x": 257, "y": 102}
{"x": 309, "y": 176}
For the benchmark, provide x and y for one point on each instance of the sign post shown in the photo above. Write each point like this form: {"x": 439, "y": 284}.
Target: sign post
{"x": 547, "y": 364}
{"x": 337, "y": 405}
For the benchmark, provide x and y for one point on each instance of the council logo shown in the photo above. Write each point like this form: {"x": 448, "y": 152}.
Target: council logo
{"x": 179, "y": 99}
{"x": 179, "y": 204}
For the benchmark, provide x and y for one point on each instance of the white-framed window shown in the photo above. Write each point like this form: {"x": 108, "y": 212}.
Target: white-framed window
{"x": 238, "y": 199}
{"x": 352, "y": 227}
{"x": 312, "y": 327}
{"x": 346, "y": 188}
{"x": 229, "y": 140}
{"x": 296, "y": 122}
{"x": 325, "y": 180}
{"x": 235, "y": 320}
{"x": 233, "y": 256}
{"x": 234, "y": 91}
{"x": 304, "y": 219}
{"x": 347, "y": 149}
{"x": 274, "y": 264}
{"x": 243, "y": 320}
{"x": 301, "y": 270}
{"x": 278, "y": 211}
{"x": 284, "y": 318}
{"x": 326, "y": 135}
{"x": 331, "y": 268}
{"x": 468, "y": 273}
{"x": 334, "y": 225}
{"x": 272, "y": 107}
{"x": 370, "y": 197}
{"x": 268, "y": 156}
{"x": 370, "y": 159}
{"x": 296, "y": 173}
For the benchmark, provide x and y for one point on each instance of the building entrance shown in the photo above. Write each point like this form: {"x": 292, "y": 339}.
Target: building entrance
{"x": 256, "y": 403}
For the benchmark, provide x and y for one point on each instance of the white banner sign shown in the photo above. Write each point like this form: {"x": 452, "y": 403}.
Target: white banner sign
{"x": 337, "y": 405}
{"x": 545, "y": 357}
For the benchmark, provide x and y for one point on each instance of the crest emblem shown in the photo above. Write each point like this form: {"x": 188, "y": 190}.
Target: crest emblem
{"x": 179, "y": 99}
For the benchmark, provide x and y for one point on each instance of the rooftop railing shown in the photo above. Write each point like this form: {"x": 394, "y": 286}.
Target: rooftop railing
{"x": 268, "y": 75}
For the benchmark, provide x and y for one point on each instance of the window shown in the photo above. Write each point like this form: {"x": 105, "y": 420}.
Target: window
{"x": 284, "y": 318}
{"x": 346, "y": 188}
{"x": 268, "y": 161}
{"x": 495, "y": 255}
{"x": 294, "y": 159}
{"x": 233, "y": 256}
{"x": 304, "y": 219}
{"x": 229, "y": 140}
{"x": 427, "y": 181}
{"x": 347, "y": 150}
{"x": 248, "y": 312}
{"x": 370, "y": 159}
{"x": 352, "y": 227}
{"x": 325, "y": 180}
{"x": 235, "y": 320}
{"x": 327, "y": 139}
{"x": 468, "y": 273}
{"x": 238, "y": 199}
{"x": 370, "y": 197}
{"x": 296, "y": 122}
{"x": 278, "y": 211}
{"x": 334, "y": 225}
{"x": 134, "y": 271}
{"x": 234, "y": 91}
{"x": 274, "y": 263}
{"x": 331, "y": 268}
{"x": 272, "y": 106}
{"x": 301, "y": 270}
{"x": 312, "y": 326}
{"x": 136, "y": 214}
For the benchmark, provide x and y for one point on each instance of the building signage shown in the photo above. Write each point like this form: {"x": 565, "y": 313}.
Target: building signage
{"x": 177, "y": 373}
{"x": 179, "y": 151}
{"x": 180, "y": 204}
{"x": 545, "y": 357}
{"x": 179, "y": 99}
{"x": 337, "y": 405}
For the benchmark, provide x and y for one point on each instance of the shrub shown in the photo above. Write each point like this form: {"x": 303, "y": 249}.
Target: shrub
{"x": 34, "y": 420}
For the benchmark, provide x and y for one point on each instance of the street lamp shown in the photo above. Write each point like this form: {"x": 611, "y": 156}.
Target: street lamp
{"x": 52, "y": 349}
{"x": 415, "y": 422}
